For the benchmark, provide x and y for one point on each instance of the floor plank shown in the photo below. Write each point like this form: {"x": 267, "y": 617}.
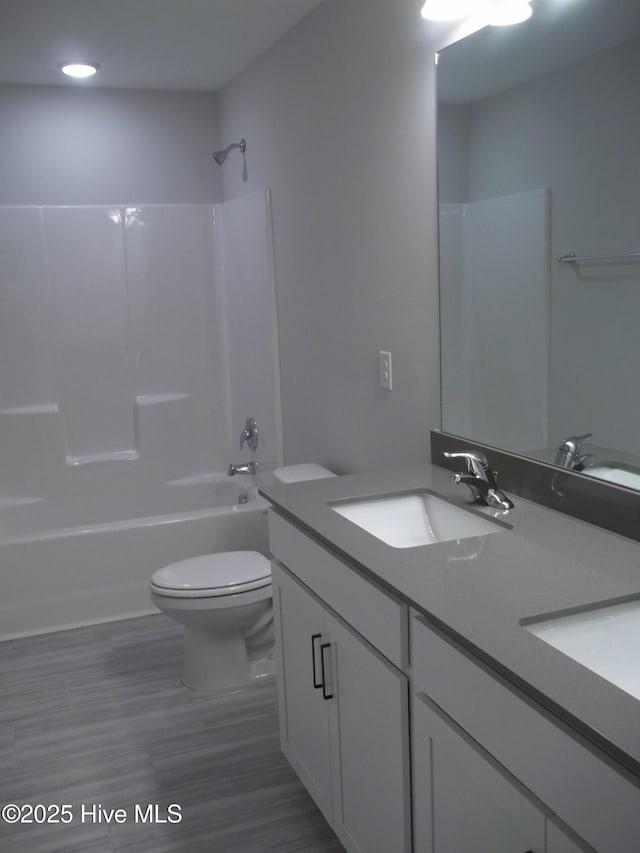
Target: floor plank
{"x": 99, "y": 716}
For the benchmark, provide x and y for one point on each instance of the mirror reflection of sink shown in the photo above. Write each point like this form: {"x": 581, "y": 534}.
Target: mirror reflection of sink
{"x": 605, "y": 640}
{"x": 421, "y": 518}
{"x": 615, "y": 472}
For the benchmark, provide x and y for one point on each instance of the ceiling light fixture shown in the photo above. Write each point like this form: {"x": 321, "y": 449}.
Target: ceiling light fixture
{"x": 449, "y": 10}
{"x": 79, "y": 70}
{"x": 497, "y": 13}
{"x": 503, "y": 13}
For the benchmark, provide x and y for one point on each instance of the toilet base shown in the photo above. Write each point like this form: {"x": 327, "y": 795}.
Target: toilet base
{"x": 228, "y": 640}
{"x": 212, "y": 661}
{"x": 263, "y": 668}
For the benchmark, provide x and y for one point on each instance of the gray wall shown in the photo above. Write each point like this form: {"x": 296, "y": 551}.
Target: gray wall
{"x": 339, "y": 118}
{"x": 453, "y": 153}
{"x": 60, "y": 145}
{"x": 578, "y": 131}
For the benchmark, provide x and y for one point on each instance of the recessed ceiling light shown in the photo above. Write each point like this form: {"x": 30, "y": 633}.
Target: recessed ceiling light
{"x": 79, "y": 70}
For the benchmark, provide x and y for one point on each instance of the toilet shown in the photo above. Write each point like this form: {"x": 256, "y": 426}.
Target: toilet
{"x": 224, "y": 602}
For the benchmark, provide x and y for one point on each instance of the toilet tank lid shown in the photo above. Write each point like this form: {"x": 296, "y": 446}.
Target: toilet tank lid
{"x": 301, "y": 472}
{"x": 214, "y": 571}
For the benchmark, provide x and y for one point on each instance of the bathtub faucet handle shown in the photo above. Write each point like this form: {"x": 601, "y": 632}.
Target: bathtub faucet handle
{"x": 249, "y": 434}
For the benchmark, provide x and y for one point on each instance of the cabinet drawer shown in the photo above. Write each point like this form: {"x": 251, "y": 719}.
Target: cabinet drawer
{"x": 371, "y": 612}
{"x": 599, "y": 803}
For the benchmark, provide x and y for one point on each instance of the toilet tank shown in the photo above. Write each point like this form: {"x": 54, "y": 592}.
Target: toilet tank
{"x": 301, "y": 472}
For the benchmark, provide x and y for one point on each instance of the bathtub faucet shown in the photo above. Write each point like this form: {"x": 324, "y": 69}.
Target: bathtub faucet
{"x": 246, "y": 468}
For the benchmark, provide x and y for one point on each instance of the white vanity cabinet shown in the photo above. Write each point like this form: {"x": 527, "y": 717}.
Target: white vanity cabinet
{"x": 463, "y": 800}
{"x": 304, "y": 713}
{"x": 344, "y": 715}
{"x": 491, "y": 766}
{"x": 473, "y": 764}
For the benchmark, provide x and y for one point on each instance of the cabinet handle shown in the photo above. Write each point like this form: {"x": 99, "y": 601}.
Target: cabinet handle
{"x": 325, "y": 695}
{"x": 314, "y": 637}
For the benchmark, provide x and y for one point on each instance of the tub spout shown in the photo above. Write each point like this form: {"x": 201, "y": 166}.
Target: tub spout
{"x": 247, "y": 468}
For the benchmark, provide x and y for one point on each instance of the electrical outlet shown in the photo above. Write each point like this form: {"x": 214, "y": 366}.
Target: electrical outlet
{"x": 384, "y": 370}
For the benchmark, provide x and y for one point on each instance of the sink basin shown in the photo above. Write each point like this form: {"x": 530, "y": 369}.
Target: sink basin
{"x": 605, "y": 640}
{"x": 421, "y": 518}
{"x": 615, "y": 472}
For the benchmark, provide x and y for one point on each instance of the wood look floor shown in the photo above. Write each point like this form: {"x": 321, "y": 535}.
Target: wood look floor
{"x": 99, "y": 716}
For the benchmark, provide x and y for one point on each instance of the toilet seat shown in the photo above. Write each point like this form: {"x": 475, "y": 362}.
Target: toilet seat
{"x": 213, "y": 575}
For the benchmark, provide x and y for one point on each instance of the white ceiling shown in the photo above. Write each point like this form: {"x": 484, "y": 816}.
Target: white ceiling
{"x": 185, "y": 45}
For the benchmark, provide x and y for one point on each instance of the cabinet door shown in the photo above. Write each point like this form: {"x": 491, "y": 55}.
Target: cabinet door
{"x": 304, "y": 715}
{"x": 463, "y": 800}
{"x": 370, "y": 729}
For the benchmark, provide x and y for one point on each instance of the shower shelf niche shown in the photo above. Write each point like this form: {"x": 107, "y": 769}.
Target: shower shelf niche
{"x": 44, "y": 409}
{"x": 108, "y": 456}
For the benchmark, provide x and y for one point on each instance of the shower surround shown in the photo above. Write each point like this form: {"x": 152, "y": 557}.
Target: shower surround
{"x": 134, "y": 343}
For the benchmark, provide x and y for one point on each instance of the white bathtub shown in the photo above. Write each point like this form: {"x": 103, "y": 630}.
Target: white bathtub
{"x": 56, "y": 577}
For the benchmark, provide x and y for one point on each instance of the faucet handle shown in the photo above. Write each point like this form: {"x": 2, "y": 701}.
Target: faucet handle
{"x": 249, "y": 434}
{"x": 573, "y": 443}
{"x": 476, "y": 461}
{"x": 569, "y": 450}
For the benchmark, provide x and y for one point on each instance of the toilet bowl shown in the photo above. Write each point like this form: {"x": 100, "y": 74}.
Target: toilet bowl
{"x": 224, "y": 602}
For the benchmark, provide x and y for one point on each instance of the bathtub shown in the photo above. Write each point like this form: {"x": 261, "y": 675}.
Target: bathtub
{"x": 55, "y": 577}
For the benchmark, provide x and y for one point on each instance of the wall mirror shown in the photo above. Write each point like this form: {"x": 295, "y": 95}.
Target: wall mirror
{"x": 539, "y": 192}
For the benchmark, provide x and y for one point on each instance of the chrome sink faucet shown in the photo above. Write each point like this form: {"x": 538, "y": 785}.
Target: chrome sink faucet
{"x": 480, "y": 479}
{"x": 569, "y": 456}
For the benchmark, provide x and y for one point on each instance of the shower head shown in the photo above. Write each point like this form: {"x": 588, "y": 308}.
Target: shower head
{"x": 221, "y": 156}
